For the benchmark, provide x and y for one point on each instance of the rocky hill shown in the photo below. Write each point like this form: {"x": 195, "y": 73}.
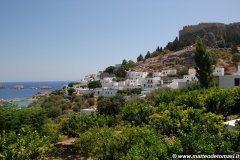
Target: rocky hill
{"x": 184, "y": 58}
{"x": 214, "y": 34}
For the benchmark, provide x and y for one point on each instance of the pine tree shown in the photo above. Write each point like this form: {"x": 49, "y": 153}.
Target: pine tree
{"x": 124, "y": 62}
{"x": 158, "y": 49}
{"x": 140, "y": 58}
{"x": 147, "y": 55}
{"x": 161, "y": 49}
{"x": 204, "y": 64}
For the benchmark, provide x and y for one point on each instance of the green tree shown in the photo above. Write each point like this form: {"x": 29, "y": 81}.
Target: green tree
{"x": 140, "y": 58}
{"x": 204, "y": 64}
{"x": 94, "y": 84}
{"x": 120, "y": 72}
{"x": 148, "y": 55}
{"x": 124, "y": 62}
{"x": 110, "y": 69}
{"x": 161, "y": 49}
{"x": 110, "y": 105}
{"x": 71, "y": 91}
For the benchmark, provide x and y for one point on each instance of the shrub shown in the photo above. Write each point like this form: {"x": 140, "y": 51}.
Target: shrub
{"x": 121, "y": 143}
{"x": 26, "y": 144}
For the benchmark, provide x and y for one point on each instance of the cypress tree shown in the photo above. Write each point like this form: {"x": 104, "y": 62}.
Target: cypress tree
{"x": 204, "y": 64}
{"x": 140, "y": 58}
{"x": 147, "y": 55}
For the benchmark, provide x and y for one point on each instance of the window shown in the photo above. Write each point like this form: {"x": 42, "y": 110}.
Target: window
{"x": 236, "y": 81}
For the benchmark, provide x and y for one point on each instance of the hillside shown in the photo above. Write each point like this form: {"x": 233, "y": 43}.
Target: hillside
{"x": 184, "y": 58}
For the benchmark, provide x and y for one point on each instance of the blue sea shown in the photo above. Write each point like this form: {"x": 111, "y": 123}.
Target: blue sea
{"x": 9, "y": 93}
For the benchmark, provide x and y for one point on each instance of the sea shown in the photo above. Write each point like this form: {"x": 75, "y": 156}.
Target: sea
{"x": 30, "y": 89}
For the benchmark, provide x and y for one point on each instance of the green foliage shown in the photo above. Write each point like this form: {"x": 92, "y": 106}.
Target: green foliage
{"x": 13, "y": 119}
{"x": 110, "y": 69}
{"x": 71, "y": 91}
{"x": 51, "y": 104}
{"x": 147, "y": 55}
{"x": 130, "y": 91}
{"x": 90, "y": 101}
{"x": 26, "y": 144}
{"x": 137, "y": 112}
{"x": 124, "y": 62}
{"x": 204, "y": 64}
{"x": 110, "y": 105}
{"x": 121, "y": 143}
{"x": 58, "y": 92}
{"x": 70, "y": 84}
{"x": 94, "y": 84}
{"x": 140, "y": 58}
{"x": 121, "y": 71}
{"x": 76, "y": 124}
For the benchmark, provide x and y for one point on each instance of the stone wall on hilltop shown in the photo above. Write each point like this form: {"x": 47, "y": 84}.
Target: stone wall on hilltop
{"x": 214, "y": 34}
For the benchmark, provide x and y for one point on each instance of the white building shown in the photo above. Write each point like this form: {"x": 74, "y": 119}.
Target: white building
{"x": 238, "y": 71}
{"x": 177, "y": 83}
{"x": 228, "y": 81}
{"x": 218, "y": 71}
{"x": 156, "y": 74}
{"x": 105, "y": 92}
{"x": 84, "y": 91}
{"x": 231, "y": 124}
{"x": 151, "y": 83}
{"x": 132, "y": 83}
{"x": 136, "y": 75}
{"x": 189, "y": 78}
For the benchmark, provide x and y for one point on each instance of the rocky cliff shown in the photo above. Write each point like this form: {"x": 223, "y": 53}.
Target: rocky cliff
{"x": 214, "y": 34}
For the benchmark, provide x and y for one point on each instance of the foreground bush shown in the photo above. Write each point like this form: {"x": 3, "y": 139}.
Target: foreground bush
{"x": 26, "y": 144}
{"x": 121, "y": 143}
{"x": 12, "y": 119}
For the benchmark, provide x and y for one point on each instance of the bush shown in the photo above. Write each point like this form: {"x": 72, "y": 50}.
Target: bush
{"x": 137, "y": 112}
{"x": 121, "y": 143}
{"x": 110, "y": 105}
{"x": 26, "y": 144}
{"x": 13, "y": 119}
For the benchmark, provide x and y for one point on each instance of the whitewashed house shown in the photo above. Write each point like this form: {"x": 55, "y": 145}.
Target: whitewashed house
{"x": 218, "y": 71}
{"x": 105, "y": 92}
{"x": 84, "y": 91}
{"x": 151, "y": 83}
{"x": 132, "y": 83}
{"x": 228, "y": 81}
{"x": 177, "y": 83}
{"x": 136, "y": 75}
{"x": 189, "y": 78}
{"x": 157, "y": 74}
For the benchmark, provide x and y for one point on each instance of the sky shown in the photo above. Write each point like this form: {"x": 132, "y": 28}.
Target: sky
{"x": 55, "y": 40}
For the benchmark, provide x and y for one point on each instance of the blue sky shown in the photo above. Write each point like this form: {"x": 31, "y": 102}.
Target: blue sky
{"x": 65, "y": 39}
